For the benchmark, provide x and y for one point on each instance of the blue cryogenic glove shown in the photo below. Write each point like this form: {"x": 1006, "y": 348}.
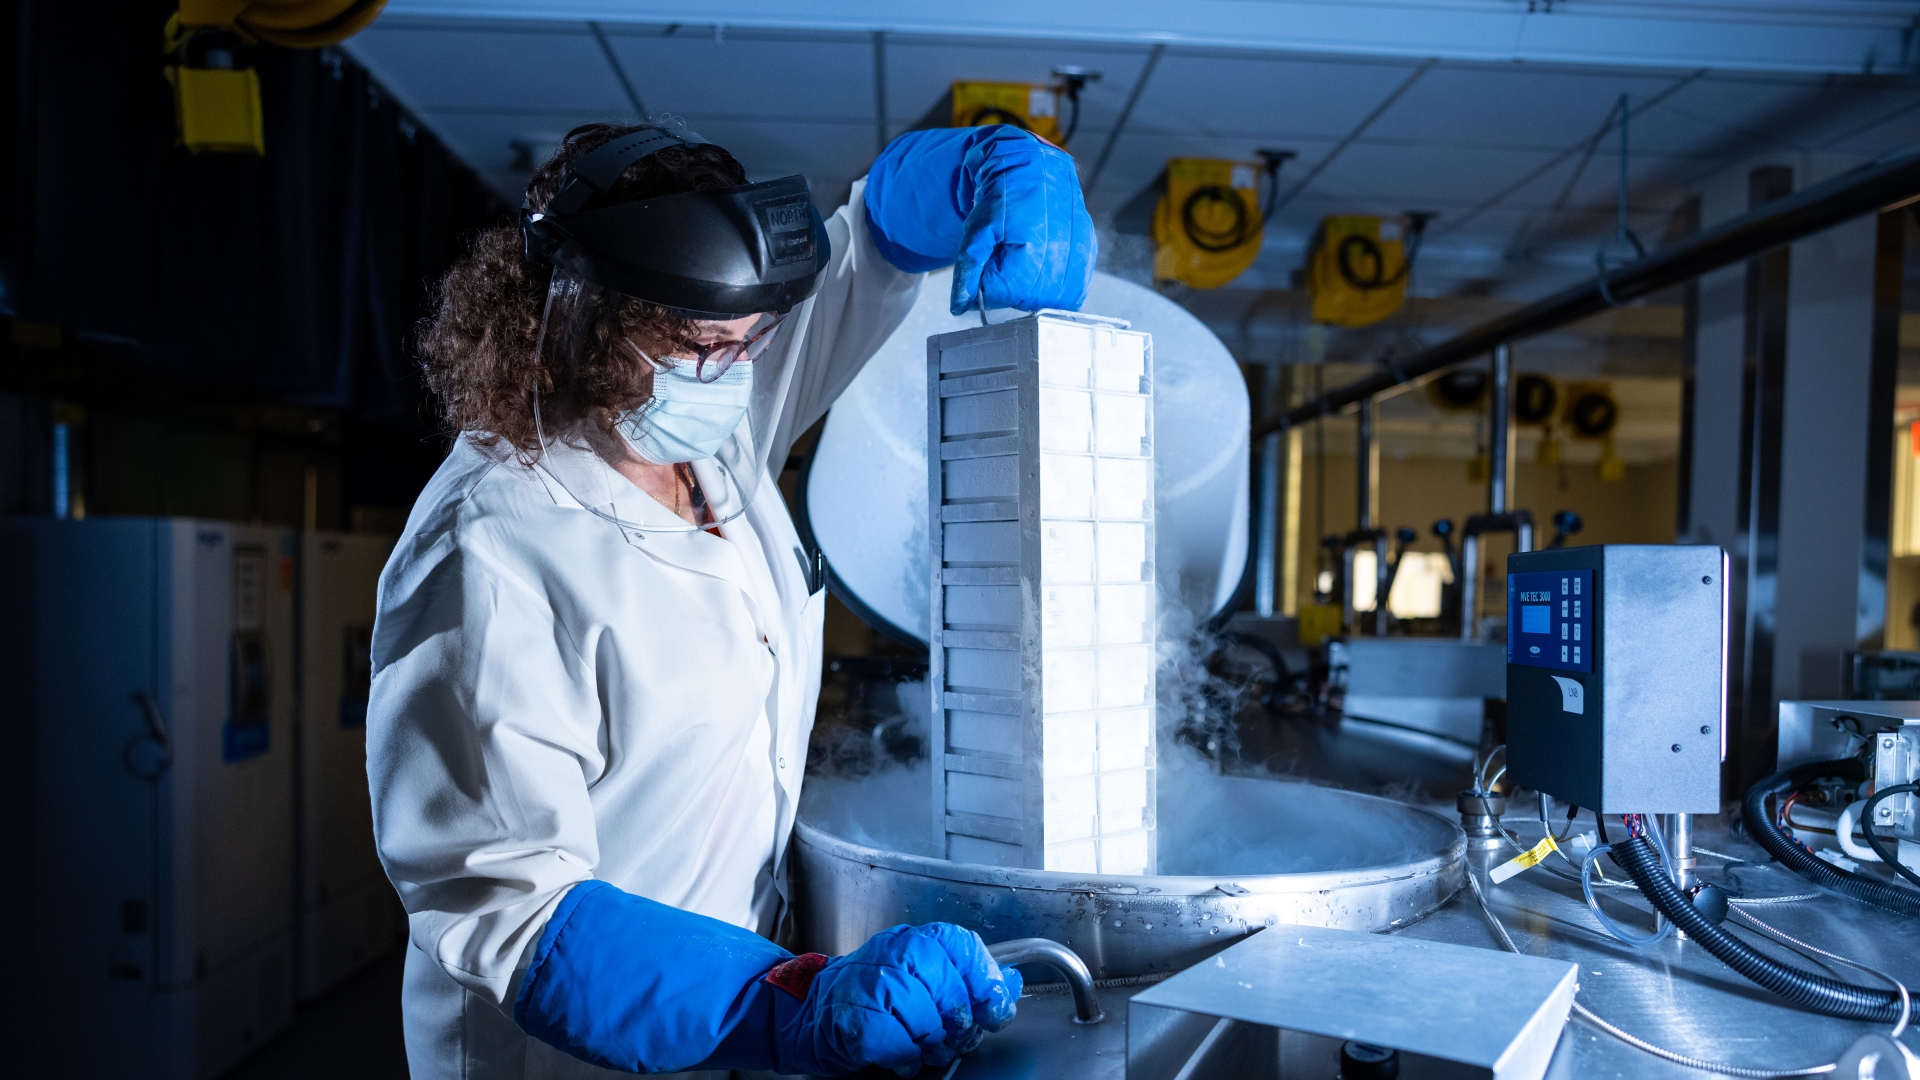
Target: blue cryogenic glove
{"x": 998, "y": 203}
{"x": 627, "y": 983}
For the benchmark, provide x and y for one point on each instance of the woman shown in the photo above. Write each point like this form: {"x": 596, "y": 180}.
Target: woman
{"x": 599, "y": 638}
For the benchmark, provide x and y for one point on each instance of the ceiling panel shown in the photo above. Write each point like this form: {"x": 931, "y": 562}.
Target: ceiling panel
{"x": 1459, "y": 141}
{"x": 1523, "y": 105}
{"x": 1269, "y": 94}
{"x": 769, "y": 150}
{"x": 747, "y": 78}
{"x": 1457, "y": 179}
{"x": 1895, "y": 123}
{"x": 559, "y": 69}
{"x": 1840, "y": 36}
{"x": 920, "y": 72}
{"x": 485, "y": 141}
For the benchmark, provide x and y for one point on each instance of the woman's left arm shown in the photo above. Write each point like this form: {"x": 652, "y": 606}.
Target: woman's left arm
{"x": 1001, "y": 206}
{"x": 861, "y": 301}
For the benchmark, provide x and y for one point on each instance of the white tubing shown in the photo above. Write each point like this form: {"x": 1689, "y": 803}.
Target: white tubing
{"x": 1843, "y": 831}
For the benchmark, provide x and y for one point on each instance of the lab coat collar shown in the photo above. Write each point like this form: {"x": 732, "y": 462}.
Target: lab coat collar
{"x": 576, "y": 476}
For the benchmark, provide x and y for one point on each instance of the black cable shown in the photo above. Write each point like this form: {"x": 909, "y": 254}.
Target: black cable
{"x": 1074, "y": 124}
{"x": 1891, "y": 858}
{"x": 1793, "y": 856}
{"x": 1370, "y": 249}
{"x": 1273, "y": 184}
{"x": 1209, "y": 239}
{"x": 1817, "y": 992}
{"x": 988, "y": 115}
{"x": 1245, "y": 229}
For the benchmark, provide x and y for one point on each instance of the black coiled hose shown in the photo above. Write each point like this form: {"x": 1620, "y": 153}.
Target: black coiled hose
{"x": 1760, "y": 825}
{"x": 1817, "y": 992}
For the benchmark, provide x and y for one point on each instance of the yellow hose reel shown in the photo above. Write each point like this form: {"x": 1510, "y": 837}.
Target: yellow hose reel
{"x": 1028, "y": 106}
{"x": 1591, "y": 415}
{"x": 1358, "y": 264}
{"x": 1208, "y": 225}
{"x": 216, "y": 95}
{"x": 1031, "y": 107}
{"x": 294, "y": 24}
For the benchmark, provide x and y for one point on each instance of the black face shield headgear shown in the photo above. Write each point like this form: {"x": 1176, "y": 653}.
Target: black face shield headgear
{"x": 722, "y": 253}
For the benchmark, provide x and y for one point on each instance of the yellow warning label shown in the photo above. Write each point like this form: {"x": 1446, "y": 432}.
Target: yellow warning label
{"x": 1526, "y": 860}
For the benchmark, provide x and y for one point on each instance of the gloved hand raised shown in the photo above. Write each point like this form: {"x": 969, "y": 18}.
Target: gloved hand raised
{"x": 911, "y": 996}
{"x": 998, "y": 203}
{"x": 631, "y": 984}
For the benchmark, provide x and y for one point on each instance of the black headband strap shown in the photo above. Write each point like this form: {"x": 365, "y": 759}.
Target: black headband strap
{"x": 599, "y": 170}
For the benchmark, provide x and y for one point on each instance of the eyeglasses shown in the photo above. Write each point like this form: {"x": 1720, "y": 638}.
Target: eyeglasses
{"x": 713, "y": 360}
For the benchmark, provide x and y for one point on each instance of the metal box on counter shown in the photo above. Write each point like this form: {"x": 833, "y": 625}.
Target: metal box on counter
{"x": 1043, "y": 600}
{"x": 1616, "y": 676}
{"x": 1281, "y": 1003}
{"x": 1435, "y": 685}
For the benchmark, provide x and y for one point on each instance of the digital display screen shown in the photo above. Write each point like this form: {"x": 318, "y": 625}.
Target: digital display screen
{"x": 1551, "y": 615}
{"x": 1536, "y": 619}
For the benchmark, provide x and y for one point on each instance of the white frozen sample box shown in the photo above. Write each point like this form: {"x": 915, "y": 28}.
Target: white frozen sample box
{"x": 1044, "y": 606}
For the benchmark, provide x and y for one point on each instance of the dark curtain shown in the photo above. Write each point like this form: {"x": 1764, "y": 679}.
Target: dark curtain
{"x": 295, "y": 278}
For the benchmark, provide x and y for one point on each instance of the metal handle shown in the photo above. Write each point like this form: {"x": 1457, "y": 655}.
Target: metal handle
{"x": 1039, "y": 950}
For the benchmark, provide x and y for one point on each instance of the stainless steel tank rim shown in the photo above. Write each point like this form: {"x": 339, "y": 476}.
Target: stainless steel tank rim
{"x": 1017, "y": 878}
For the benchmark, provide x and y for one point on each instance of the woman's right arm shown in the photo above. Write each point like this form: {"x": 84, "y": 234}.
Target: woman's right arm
{"x": 482, "y": 738}
{"x": 482, "y": 733}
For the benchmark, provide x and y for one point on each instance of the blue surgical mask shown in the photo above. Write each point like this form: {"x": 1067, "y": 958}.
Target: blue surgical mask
{"x": 686, "y": 419}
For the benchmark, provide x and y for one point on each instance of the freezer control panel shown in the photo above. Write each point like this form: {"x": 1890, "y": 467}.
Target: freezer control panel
{"x": 1550, "y": 619}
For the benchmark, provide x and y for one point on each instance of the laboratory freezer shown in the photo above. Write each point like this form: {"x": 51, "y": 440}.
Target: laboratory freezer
{"x": 148, "y": 724}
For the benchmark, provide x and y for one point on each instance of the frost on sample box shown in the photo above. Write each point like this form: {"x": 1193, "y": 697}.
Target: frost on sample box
{"x": 1044, "y": 613}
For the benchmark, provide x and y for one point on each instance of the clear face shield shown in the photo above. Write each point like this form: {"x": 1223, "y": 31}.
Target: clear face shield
{"x": 701, "y": 429}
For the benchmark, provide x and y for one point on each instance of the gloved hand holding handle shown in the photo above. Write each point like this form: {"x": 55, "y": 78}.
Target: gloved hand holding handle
{"x": 1000, "y": 205}
{"x": 627, "y": 983}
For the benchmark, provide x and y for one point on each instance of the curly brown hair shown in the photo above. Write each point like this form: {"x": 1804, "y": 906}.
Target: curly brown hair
{"x": 480, "y": 346}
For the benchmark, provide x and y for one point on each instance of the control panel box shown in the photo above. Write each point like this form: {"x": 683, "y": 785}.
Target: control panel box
{"x": 1044, "y": 613}
{"x": 1616, "y": 676}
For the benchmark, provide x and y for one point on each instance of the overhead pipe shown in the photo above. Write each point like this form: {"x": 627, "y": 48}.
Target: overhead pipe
{"x": 1892, "y": 180}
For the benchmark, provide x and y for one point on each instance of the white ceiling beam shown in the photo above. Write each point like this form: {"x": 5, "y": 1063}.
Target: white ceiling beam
{"x": 1824, "y": 36}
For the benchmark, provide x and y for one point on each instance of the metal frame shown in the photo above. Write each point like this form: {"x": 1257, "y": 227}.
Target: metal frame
{"x": 1892, "y": 180}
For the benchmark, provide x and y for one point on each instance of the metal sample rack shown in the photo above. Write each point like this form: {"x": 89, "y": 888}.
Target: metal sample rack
{"x": 1043, "y": 601}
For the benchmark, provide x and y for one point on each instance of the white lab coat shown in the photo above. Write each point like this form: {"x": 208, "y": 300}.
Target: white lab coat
{"x": 554, "y": 701}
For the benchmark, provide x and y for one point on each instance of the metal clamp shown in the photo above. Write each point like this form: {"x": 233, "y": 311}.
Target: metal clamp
{"x": 1038, "y": 950}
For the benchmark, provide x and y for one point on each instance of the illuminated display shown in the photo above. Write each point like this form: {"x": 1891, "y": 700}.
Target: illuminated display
{"x": 1536, "y": 619}
{"x": 1553, "y": 614}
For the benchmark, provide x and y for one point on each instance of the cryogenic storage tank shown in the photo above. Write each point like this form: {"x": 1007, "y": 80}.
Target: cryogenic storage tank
{"x": 866, "y": 491}
{"x": 1237, "y": 855}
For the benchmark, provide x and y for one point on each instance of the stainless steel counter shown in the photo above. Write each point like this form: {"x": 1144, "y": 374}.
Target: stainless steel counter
{"x": 1673, "y": 994}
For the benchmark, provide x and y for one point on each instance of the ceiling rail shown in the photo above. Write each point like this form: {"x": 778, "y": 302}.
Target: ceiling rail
{"x": 1891, "y": 180}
